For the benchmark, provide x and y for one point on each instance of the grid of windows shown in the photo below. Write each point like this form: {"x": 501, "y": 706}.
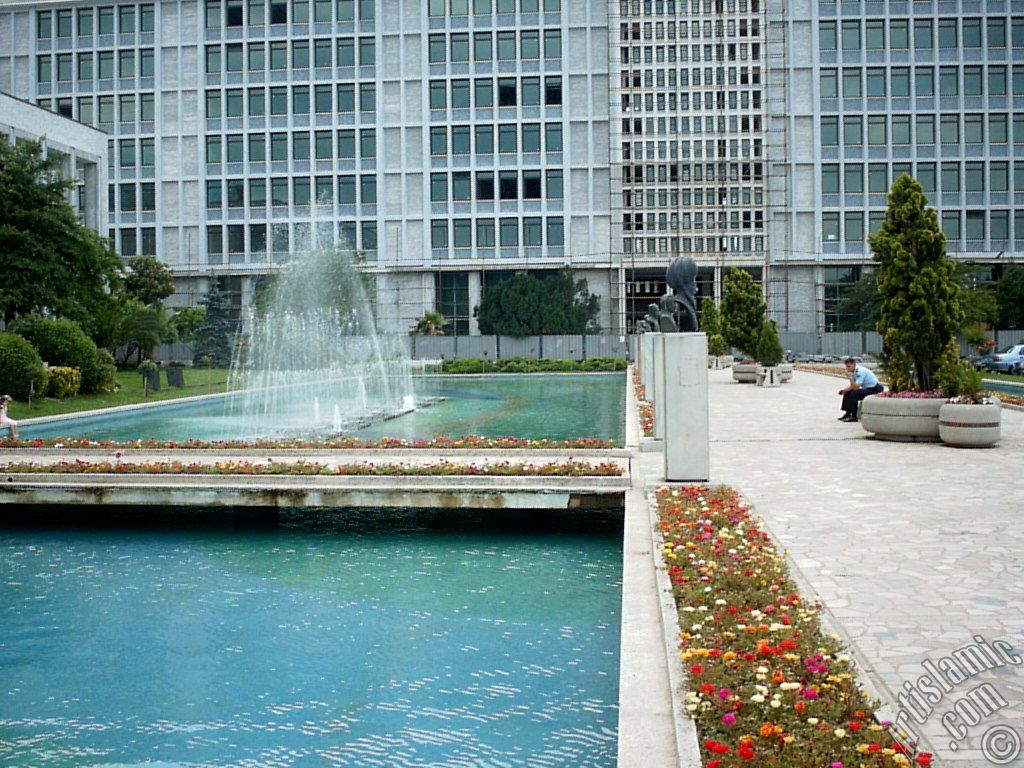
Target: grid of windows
{"x": 691, "y": 130}
{"x": 927, "y": 94}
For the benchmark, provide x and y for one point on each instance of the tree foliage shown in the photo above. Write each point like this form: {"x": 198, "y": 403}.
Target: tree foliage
{"x": 1010, "y": 298}
{"x": 186, "y": 321}
{"x": 49, "y": 260}
{"x": 215, "y": 338}
{"x": 711, "y": 324}
{"x": 527, "y": 305}
{"x": 743, "y": 311}
{"x": 860, "y": 309}
{"x": 432, "y": 324}
{"x": 62, "y": 342}
{"x": 148, "y": 280}
{"x": 21, "y": 369}
{"x": 921, "y": 310}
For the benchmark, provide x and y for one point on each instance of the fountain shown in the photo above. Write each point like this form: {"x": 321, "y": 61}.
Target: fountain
{"x": 310, "y": 361}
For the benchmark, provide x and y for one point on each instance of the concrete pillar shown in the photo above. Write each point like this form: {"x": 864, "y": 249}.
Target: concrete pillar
{"x": 475, "y": 297}
{"x": 646, "y": 351}
{"x": 685, "y": 386}
{"x": 657, "y": 387}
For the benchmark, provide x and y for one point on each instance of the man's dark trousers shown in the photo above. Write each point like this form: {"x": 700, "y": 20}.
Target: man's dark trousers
{"x": 852, "y": 398}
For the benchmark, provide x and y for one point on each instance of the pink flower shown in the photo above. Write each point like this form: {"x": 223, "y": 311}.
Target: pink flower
{"x": 724, "y": 693}
{"x": 836, "y": 764}
{"x": 810, "y": 693}
{"x": 728, "y": 718}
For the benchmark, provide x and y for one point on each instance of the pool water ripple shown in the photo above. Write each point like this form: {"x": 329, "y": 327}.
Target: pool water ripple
{"x": 305, "y": 646}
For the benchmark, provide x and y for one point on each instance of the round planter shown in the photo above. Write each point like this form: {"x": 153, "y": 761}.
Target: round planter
{"x": 902, "y": 419}
{"x": 786, "y": 372}
{"x": 769, "y": 376}
{"x": 745, "y": 373}
{"x": 718, "y": 362}
{"x": 970, "y": 426}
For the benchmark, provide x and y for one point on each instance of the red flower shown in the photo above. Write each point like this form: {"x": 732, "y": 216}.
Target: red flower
{"x": 924, "y": 759}
{"x": 746, "y": 753}
{"x": 696, "y": 669}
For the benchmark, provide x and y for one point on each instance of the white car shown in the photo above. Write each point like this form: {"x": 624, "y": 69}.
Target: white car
{"x": 1010, "y": 360}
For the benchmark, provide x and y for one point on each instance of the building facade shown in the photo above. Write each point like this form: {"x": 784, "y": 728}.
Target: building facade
{"x": 81, "y": 152}
{"x": 455, "y": 141}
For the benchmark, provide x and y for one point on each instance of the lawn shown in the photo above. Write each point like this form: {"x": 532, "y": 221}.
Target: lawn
{"x": 1002, "y": 377}
{"x": 198, "y": 381}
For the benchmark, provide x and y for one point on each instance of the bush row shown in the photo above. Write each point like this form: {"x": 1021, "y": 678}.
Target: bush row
{"x": 79, "y": 366}
{"x": 530, "y": 365}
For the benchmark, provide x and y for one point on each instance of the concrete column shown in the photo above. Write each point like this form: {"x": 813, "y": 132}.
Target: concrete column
{"x": 646, "y": 351}
{"x": 657, "y": 387}
{"x": 685, "y": 384}
{"x": 475, "y": 297}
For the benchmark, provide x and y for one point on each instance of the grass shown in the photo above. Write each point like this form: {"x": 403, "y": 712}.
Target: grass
{"x": 1003, "y": 377}
{"x": 198, "y": 381}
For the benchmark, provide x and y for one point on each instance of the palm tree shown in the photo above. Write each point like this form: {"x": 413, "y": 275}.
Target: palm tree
{"x": 432, "y": 324}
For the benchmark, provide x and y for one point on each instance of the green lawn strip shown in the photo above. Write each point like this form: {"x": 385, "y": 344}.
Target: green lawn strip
{"x": 198, "y": 381}
{"x": 240, "y": 467}
{"x": 766, "y": 685}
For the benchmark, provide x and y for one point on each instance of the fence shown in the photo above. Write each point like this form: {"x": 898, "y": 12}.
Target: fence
{"x": 577, "y": 347}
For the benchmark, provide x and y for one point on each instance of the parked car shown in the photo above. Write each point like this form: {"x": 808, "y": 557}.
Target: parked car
{"x": 1010, "y": 360}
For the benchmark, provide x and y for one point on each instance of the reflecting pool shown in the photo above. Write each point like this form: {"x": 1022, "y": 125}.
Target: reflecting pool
{"x": 557, "y": 407}
{"x": 360, "y": 639}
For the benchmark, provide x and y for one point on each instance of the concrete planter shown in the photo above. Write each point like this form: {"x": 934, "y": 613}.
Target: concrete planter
{"x": 745, "y": 373}
{"x": 907, "y": 420}
{"x": 970, "y": 426}
{"x": 769, "y": 376}
{"x": 786, "y": 372}
{"x": 718, "y": 362}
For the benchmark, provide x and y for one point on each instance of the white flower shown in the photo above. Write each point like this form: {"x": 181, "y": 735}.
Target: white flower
{"x": 757, "y": 698}
{"x": 775, "y": 704}
{"x": 812, "y": 721}
{"x": 762, "y": 670}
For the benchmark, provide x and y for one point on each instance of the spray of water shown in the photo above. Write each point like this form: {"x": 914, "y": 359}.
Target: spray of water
{"x": 310, "y": 360}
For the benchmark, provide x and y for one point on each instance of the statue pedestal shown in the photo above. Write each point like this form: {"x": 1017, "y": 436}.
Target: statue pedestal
{"x": 656, "y": 389}
{"x": 684, "y": 384}
{"x": 645, "y": 362}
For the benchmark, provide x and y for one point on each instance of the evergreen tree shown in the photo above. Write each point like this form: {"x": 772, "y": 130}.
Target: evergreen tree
{"x": 215, "y": 338}
{"x": 769, "y": 349}
{"x": 743, "y": 311}
{"x": 921, "y": 310}
{"x": 526, "y": 305}
{"x": 711, "y": 324}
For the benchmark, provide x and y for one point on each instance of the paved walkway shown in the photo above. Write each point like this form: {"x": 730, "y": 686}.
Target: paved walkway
{"x": 915, "y": 548}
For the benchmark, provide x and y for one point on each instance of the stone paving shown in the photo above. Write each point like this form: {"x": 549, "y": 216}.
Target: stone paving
{"x": 914, "y": 548}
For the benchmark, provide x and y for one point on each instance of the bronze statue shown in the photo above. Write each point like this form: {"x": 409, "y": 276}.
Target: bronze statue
{"x": 681, "y": 277}
{"x": 666, "y": 318}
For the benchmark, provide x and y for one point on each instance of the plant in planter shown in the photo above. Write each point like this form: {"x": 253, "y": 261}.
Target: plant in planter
{"x": 150, "y": 377}
{"x": 970, "y": 417}
{"x": 769, "y": 355}
{"x": 743, "y": 312}
{"x": 711, "y": 324}
{"x": 920, "y": 315}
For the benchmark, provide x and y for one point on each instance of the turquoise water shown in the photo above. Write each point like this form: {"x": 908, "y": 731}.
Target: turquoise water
{"x": 557, "y": 407}
{"x": 356, "y": 641}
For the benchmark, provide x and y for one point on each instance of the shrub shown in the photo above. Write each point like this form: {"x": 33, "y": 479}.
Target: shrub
{"x": 63, "y": 382}
{"x": 710, "y": 318}
{"x": 108, "y": 372}
{"x": 717, "y": 345}
{"x": 62, "y": 342}
{"x": 469, "y": 365}
{"x": 603, "y": 364}
{"x": 21, "y": 369}
{"x": 769, "y": 350}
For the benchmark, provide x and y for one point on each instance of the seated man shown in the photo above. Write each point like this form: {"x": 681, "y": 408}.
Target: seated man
{"x": 862, "y": 383}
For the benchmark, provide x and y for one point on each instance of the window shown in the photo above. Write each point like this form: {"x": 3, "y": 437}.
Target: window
{"x": 44, "y": 25}
{"x": 482, "y": 50}
{"x": 462, "y": 233}
{"x": 278, "y": 147}
{"x": 300, "y": 145}
{"x": 485, "y": 185}
{"x": 233, "y": 13}
{"x": 484, "y": 139}
{"x": 974, "y": 132}
{"x": 999, "y": 225}
{"x": 996, "y": 32}
{"x": 236, "y": 193}
{"x": 553, "y": 184}
{"x": 461, "y": 186}
{"x": 878, "y": 183}
{"x": 323, "y": 145}
{"x": 367, "y": 52}
{"x": 553, "y": 137}
{"x": 322, "y": 99}
{"x": 44, "y": 69}
{"x": 126, "y": 64}
{"x": 439, "y": 233}
{"x": 975, "y": 229}
{"x": 279, "y": 101}
{"x": 829, "y": 131}
{"x": 509, "y": 233}
{"x": 996, "y": 80}
{"x": 530, "y": 87}
{"x": 506, "y": 46}
{"x": 876, "y": 130}
{"x": 900, "y": 80}
{"x": 532, "y": 230}
{"x": 506, "y": 91}
{"x": 508, "y": 185}
{"x": 279, "y": 55}
{"x": 212, "y": 59}
{"x": 485, "y": 233}
{"x": 126, "y": 19}
{"x": 85, "y": 22}
{"x": 999, "y": 176}
{"x": 438, "y": 94}
{"x": 876, "y": 82}
{"x": 300, "y": 54}
{"x": 829, "y": 84}
{"x": 853, "y": 179}
{"x": 529, "y": 44}
{"x": 899, "y": 37}
{"x": 827, "y": 36}
{"x": 65, "y": 22}
{"x": 947, "y": 33}
{"x": 971, "y": 30}
{"x": 997, "y": 128}
{"x": 301, "y": 191}
{"x": 926, "y": 175}
{"x": 949, "y": 129}
{"x": 460, "y": 47}
{"x": 368, "y": 190}
{"x": 322, "y": 53}
{"x": 367, "y": 97}
{"x": 300, "y": 11}
{"x": 346, "y": 52}
{"x": 951, "y": 225}
{"x": 552, "y": 91}
{"x": 901, "y": 129}
{"x": 257, "y": 13}
{"x": 213, "y": 147}
{"x": 436, "y": 49}
{"x": 531, "y": 137}
{"x": 948, "y": 81}
{"x": 851, "y": 35}
{"x": 974, "y": 177}
{"x": 851, "y": 82}
{"x": 531, "y": 185}
{"x": 923, "y": 33}
{"x": 852, "y": 131}
{"x": 438, "y": 141}
{"x": 347, "y": 190}
{"x": 346, "y": 98}
{"x": 460, "y": 94}
{"x": 484, "y": 93}
{"x": 257, "y": 102}
{"x": 950, "y": 177}
{"x": 853, "y": 226}
{"x": 460, "y": 140}
{"x": 257, "y": 148}
{"x": 556, "y": 231}
{"x": 346, "y": 144}
{"x": 874, "y": 34}
{"x": 830, "y": 179}
{"x": 972, "y": 81}
{"x": 439, "y": 187}
{"x": 507, "y": 139}
{"x": 552, "y": 44}
{"x": 924, "y": 81}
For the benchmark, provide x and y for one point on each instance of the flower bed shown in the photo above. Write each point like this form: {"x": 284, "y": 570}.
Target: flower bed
{"x": 909, "y": 394}
{"x": 644, "y": 407}
{"x": 445, "y": 468}
{"x": 768, "y": 686}
{"x": 442, "y": 442}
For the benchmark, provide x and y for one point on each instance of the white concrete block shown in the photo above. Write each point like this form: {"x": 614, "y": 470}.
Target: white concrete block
{"x": 684, "y": 378}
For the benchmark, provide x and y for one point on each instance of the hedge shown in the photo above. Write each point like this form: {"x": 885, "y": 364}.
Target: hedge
{"x": 531, "y": 365}
{"x": 64, "y": 343}
{"x": 21, "y": 369}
